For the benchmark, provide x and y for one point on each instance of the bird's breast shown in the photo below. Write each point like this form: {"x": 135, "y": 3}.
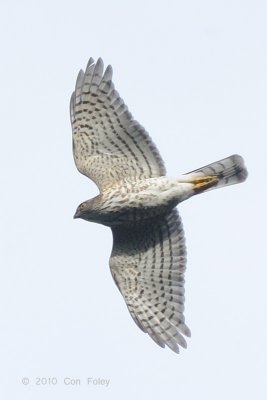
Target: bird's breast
{"x": 139, "y": 200}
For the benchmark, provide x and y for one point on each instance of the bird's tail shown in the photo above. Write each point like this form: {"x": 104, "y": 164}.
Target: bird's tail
{"x": 229, "y": 171}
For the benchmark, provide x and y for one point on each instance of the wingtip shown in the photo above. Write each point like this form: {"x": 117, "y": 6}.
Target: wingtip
{"x": 108, "y": 73}
{"x": 173, "y": 346}
{"x": 100, "y": 61}
{"x": 90, "y": 62}
{"x": 79, "y": 79}
{"x": 99, "y": 67}
{"x": 80, "y": 74}
{"x": 185, "y": 330}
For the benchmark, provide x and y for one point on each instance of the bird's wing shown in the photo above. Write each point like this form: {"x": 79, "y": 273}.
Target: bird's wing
{"x": 148, "y": 263}
{"x": 108, "y": 144}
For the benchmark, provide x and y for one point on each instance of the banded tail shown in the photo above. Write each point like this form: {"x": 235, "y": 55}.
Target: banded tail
{"x": 225, "y": 172}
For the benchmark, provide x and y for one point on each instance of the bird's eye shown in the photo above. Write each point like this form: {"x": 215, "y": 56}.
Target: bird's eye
{"x": 82, "y": 206}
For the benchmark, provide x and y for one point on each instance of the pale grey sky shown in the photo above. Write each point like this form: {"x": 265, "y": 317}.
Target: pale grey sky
{"x": 194, "y": 74}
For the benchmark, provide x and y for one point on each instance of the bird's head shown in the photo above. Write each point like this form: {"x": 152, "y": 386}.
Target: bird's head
{"x": 85, "y": 210}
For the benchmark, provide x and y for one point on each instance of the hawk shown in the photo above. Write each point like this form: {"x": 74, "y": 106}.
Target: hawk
{"x": 138, "y": 202}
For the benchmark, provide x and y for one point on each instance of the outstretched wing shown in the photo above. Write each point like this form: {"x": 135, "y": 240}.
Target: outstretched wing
{"x": 108, "y": 144}
{"x": 148, "y": 263}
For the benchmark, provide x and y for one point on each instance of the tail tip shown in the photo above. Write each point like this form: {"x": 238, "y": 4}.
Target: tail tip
{"x": 240, "y": 168}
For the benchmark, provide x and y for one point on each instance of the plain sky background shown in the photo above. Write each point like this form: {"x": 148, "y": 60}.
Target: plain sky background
{"x": 194, "y": 74}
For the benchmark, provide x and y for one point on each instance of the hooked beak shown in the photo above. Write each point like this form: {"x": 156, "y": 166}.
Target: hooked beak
{"x": 76, "y": 215}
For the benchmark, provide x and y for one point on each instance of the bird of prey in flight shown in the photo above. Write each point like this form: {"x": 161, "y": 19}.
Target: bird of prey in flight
{"x": 138, "y": 202}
